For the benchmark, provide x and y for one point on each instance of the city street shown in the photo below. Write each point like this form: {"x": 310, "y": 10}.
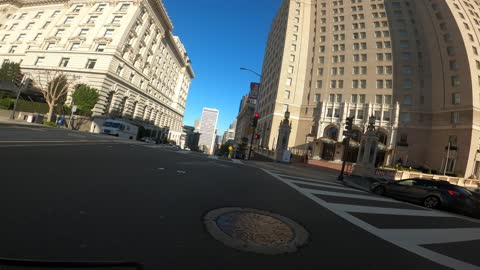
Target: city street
{"x": 71, "y": 196}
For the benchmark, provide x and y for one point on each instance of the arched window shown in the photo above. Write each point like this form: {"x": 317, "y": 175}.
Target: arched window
{"x": 332, "y": 133}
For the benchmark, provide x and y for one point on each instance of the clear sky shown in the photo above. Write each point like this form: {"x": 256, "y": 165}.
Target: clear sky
{"x": 220, "y": 37}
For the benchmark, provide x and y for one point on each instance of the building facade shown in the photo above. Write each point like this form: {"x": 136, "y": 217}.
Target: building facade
{"x": 414, "y": 65}
{"x": 125, "y": 49}
{"x": 244, "y": 121}
{"x": 208, "y": 130}
{"x": 229, "y": 134}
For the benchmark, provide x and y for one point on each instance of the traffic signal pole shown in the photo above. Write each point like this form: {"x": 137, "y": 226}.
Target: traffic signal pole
{"x": 20, "y": 85}
{"x": 346, "y": 146}
{"x": 255, "y": 123}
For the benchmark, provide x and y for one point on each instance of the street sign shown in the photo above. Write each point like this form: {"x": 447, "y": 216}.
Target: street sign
{"x": 250, "y": 130}
{"x": 347, "y": 133}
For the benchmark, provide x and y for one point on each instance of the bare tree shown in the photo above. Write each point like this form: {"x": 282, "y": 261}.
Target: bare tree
{"x": 54, "y": 85}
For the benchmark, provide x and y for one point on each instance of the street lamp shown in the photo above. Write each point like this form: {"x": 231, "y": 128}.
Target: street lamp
{"x": 254, "y": 72}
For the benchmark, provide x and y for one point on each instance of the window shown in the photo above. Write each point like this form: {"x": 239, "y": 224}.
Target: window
{"x": 29, "y": 26}
{"x": 21, "y": 37}
{"x": 101, "y": 47}
{"x": 317, "y": 97}
{"x": 362, "y": 99}
{"x": 59, "y": 32}
{"x": 331, "y": 98}
{"x": 14, "y": 26}
{"x": 117, "y": 19}
{"x": 77, "y": 8}
{"x": 407, "y": 84}
{"x": 83, "y": 32}
{"x": 68, "y": 20}
{"x": 108, "y": 33}
{"x": 22, "y": 16}
{"x": 124, "y": 7}
{"x": 405, "y": 117}
{"x": 39, "y": 61}
{"x": 39, "y": 35}
{"x": 46, "y": 25}
{"x": 363, "y": 84}
{"x": 287, "y": 94}
{"x": 49, "y": 46}
{"x": 64, "y": 62}
{"x": 38, "y": 15}
{"x": 389, "y": 84}
{"x": 290, "y": 69}
{"x": 75, "y": 46}
{"x": 386, "y": 116}
{"x": 55, "y": 13}
{"x": 292, "y": 58}
{"x": 456, "y": 98}
{"x": 379, "y": 84}
{"x": 455, "y": 117}
{"x": 319, "y": 84}
{"x": 354, "y": 98}
{"x": 407, "y": 100}
{"x": 100, "y": 7}
{"x": 92, "y": 19}
{"x": 132, "y": 77}
{"x": 455, "y": 81}
{"x": 91, "y": 63}
{"x": 360, "y": 114}
{"x": 289, "y": 82}
{"x": 12, "y": 49}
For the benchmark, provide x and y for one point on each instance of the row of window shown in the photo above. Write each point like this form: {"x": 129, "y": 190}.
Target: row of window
{"x": 67, "y": 21}
{"x": 357, "y": 70}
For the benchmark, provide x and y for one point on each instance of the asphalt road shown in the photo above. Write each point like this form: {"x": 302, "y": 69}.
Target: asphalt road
{"x": 70, "y": 196}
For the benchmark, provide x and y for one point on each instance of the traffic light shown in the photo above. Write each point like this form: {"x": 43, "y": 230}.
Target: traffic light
{"x": 19, "y": 79}
{"x": 255, "y": 119}
{"x": 257, "y": 136}
{"x": 349, "y": 125}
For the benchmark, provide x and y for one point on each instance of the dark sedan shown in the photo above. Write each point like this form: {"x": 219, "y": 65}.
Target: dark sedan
{"x": 431, "y": 194}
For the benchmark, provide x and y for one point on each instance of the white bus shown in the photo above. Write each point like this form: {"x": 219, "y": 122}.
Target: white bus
{"x": 120, "y": 129}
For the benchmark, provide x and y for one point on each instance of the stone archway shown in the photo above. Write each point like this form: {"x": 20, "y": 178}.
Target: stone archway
{"x": 329, "y": 142}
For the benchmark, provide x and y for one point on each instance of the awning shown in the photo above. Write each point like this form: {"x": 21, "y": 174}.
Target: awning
{"x": 327, "y": 140}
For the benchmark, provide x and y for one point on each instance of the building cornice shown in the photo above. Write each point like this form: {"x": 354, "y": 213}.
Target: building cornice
{"x": 21, "y": 3}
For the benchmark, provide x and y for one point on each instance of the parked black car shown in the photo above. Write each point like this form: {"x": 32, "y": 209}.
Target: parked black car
{"x": 432, "y": 194}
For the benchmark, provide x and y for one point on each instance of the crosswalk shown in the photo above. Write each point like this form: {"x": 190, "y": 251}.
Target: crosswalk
{"x": 441, "y": 237}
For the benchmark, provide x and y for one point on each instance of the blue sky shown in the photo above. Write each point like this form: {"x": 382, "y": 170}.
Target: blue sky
{"x": 220, "y": 37}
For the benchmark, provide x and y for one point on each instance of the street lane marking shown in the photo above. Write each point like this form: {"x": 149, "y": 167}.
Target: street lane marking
{"x": 236, "y": 161}
{"x": 433, "y": 236}
{"x": 346, "y": 195}
{"x": 403, "y": 238}
{"x": 325, "y": 186}
{"x": 308, "y": 179}
{"x": 386, "y": 211}
{"x": 213, "y": 157}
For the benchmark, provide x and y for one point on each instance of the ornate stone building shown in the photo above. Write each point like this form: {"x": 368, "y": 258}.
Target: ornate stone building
{"x": 123, "y": 48}
{"x": 413, "y": 64}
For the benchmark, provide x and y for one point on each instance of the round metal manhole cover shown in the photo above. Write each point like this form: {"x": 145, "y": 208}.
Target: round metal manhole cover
{"x": 255, "y": 230}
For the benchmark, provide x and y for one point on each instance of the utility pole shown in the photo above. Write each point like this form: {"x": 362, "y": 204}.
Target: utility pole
{"x": 346, "y": 144}
{"x": 446, "y": 161}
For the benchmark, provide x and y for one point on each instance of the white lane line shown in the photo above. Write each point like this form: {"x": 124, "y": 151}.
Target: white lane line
{"x": 407, "y": 244}
{"x": 346, "y": 195}
{"x": 237, "y": 161}
{"x": 386, "y": 211}
{"x": 433, "y": 236}
{"x": 213, "y": 157}
{"x": 325, "y": 186}
{"x": 289, "y": 178}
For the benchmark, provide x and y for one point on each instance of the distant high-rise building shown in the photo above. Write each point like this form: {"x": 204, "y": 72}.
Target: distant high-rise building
{"x": 414, "y": 65}
{"x": 197, "y": 125}
{"x": 208, "y": 127}
{"x": 229, "y": 134}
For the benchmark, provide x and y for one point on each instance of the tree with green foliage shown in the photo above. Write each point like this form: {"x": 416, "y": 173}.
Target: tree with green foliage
{"x": 9, "y": 71}
{"x": 85, "y": 97}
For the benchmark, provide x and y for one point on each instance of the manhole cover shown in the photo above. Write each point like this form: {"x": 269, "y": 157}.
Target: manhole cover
{"x": 255, "y": 231}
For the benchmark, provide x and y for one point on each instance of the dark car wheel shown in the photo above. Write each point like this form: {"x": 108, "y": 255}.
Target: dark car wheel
{"x": 432, "y": 202}
{"x": 379, "y": 190}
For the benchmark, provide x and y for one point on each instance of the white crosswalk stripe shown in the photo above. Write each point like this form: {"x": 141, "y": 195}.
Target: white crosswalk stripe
{"x": 411, "y": 239}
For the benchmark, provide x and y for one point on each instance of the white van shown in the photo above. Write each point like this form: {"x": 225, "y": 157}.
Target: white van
{"x": 120, "y": 129}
